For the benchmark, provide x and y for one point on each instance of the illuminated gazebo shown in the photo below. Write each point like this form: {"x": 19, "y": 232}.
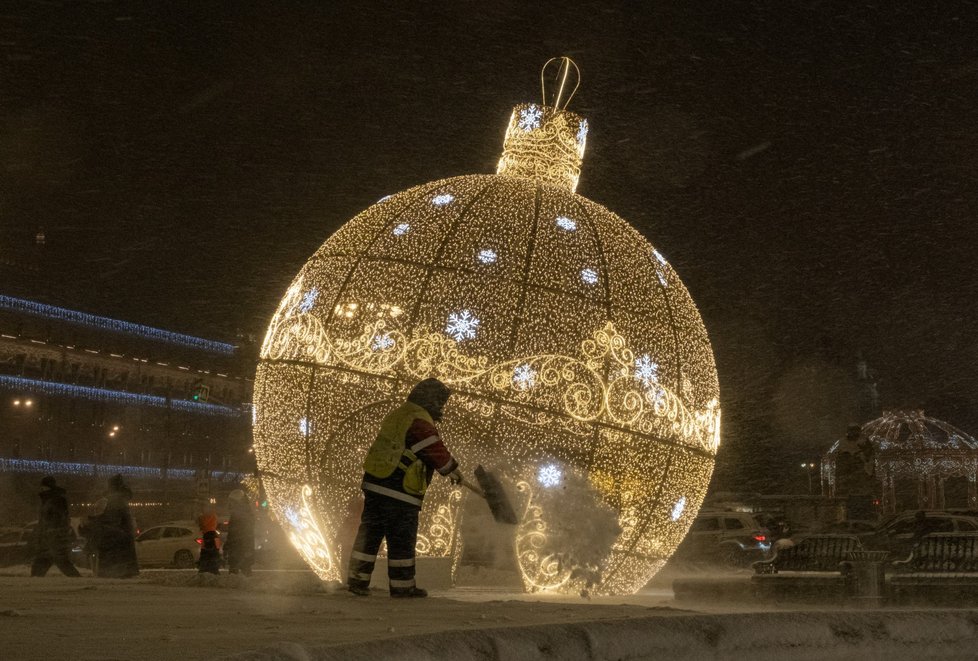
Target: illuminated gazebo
{"x": 912, "y": 450}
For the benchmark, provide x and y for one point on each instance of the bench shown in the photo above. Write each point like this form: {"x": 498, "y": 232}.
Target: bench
{"x": 943, "y": 566}
{"x": 808, "y": 570}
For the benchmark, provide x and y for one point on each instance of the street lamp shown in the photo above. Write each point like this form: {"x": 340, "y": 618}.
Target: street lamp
{"x": 810, "y": 468}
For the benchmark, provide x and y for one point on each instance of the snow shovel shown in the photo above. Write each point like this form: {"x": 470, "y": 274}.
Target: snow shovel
{"x": 492, "y": 490}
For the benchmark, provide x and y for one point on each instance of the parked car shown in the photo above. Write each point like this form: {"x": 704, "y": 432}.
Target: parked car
{"x": 727, "y": 538}
{"x": 900, "y": 534}
{"x": 17, "y": 545}
{"x": 171, "y": 544}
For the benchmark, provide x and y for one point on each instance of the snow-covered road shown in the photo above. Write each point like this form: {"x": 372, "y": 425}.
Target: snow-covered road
{"x": 178, "y": 615}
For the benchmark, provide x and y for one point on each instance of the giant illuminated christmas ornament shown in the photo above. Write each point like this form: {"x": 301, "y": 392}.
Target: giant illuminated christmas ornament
{"x": 581, "y": 368}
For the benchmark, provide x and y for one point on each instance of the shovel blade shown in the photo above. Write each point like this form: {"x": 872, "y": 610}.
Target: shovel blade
{"x": 502, "y": 510}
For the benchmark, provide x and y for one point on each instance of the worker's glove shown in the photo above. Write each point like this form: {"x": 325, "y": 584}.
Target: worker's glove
{"x": 455, "y": 476}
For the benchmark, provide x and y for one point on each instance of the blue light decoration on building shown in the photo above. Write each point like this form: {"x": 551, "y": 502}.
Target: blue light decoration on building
{"x": 117, "y": 396}
{"x": 105, "y": 470}
{"x": 113, "y": 325}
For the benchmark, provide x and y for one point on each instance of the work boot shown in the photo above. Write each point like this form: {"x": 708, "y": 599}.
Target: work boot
{"x": 359, "y": 590}
{"x": 409, "y": 593}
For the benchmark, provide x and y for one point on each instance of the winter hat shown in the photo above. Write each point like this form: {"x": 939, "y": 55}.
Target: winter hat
{"x": 431, "y": 395}
{"x": 49, "y": 482}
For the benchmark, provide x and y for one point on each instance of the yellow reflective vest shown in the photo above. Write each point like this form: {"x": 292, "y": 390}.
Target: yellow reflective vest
{"x": 389, "y": 453}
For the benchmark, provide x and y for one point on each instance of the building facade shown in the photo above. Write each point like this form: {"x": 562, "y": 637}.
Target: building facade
{"x": 84, "y": 397}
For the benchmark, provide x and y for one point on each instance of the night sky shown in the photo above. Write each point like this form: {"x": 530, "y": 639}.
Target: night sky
{"x": 808, "y": 168}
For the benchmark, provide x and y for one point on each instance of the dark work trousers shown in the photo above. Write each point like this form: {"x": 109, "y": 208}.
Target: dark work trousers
{"x": 396, "y": 521}
{"x": 54, "y": 550}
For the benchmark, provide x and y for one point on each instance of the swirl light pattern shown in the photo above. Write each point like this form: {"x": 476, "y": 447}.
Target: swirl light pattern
{"x": 609, "y": 378}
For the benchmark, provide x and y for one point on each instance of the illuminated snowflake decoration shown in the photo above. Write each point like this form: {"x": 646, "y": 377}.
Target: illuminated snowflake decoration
{"x": 402, "y": 229}
{"x": 382, "y": 342}
{"x": 646, "y": 370}
{"x": 487, "y": 256}
{"x": 308, "y": 300}
{"x": 462, "y": 325}
{"x": 549, "y": 475}
{"x": 524, "y": 377}
{"x": 293, "y": 517}
{"x": 565, "y": 223}
{"x": 582, "y": 134}
{"x": 442, "y": 200}
{"x": 305, "y": 426}
{"x": 530, "y": 118}
{"x": 659, "y": 257}
{"x": 677, "y": 509}
{"x": 589, "y": 276}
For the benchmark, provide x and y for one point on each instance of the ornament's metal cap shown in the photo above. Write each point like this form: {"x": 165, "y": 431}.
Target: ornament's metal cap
{"x": 546, "y": 141}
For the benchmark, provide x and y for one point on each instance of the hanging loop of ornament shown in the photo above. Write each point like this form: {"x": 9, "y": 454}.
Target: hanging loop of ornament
{"x": 567, "y": 74}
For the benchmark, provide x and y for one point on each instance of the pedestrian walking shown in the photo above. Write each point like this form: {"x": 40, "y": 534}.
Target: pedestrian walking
{"x": 239, "y": 548}
{"x": 91, "y": 530}
{"x": 397, "y": 470}
{"x": 117, "y": 533}
{"x": 53, "y": 535}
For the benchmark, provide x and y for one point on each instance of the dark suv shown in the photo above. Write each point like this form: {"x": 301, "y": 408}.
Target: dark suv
{"x": 733, "y": 539}
{"x": 901, "y": 533}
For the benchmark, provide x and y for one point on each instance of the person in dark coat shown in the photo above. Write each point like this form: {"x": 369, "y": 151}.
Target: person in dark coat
{"x": 239, "y": 549}
{"x": 117, "y": 533}
{"x": 854, "y": 467}
{"x": 53, "y": 534}
{"x": 91, "y": 530}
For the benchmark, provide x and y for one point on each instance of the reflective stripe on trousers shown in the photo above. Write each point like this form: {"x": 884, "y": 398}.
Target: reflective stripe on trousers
{"x": 397, "y": 522}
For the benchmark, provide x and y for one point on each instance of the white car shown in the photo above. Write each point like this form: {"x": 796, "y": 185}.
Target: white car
{"x": 172, "y": 544}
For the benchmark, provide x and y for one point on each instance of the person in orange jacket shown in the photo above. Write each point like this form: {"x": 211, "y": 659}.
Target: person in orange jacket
{"x": 210, "y": 547}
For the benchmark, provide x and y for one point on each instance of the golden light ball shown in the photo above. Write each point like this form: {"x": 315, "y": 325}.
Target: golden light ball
{"x": 576, "y": 356}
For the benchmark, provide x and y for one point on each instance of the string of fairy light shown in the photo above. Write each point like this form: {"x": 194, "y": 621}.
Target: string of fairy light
{"x": 572, "y": 346}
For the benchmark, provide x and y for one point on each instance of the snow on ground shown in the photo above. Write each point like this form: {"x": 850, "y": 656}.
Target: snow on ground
{"x": 291, "y": 615}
